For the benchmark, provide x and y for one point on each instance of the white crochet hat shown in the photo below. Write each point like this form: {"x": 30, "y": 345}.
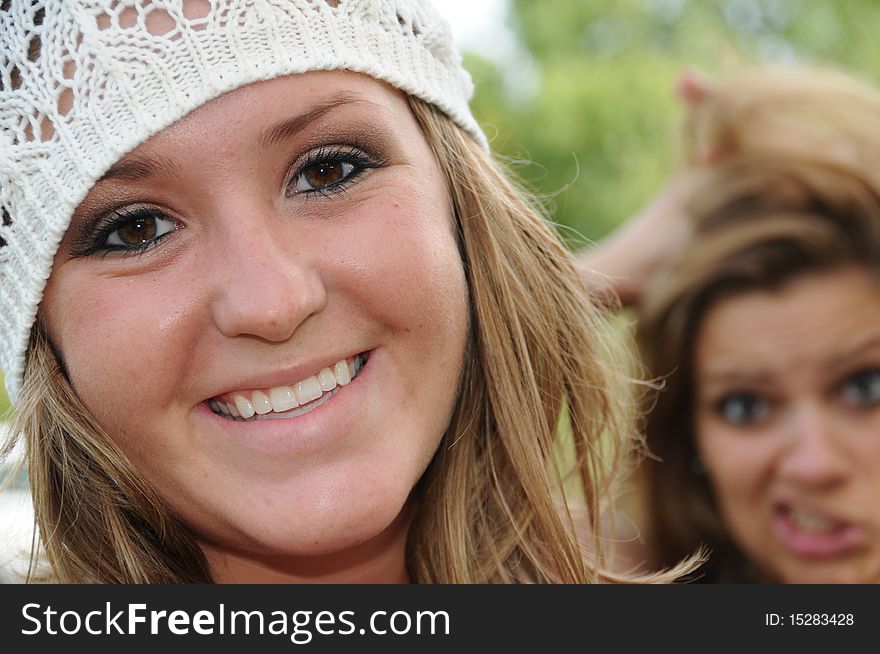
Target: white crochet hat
{"x": 82, "y": 82}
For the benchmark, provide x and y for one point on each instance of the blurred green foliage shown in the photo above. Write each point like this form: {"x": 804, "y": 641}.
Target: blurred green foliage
{"x": 589, "y": 95}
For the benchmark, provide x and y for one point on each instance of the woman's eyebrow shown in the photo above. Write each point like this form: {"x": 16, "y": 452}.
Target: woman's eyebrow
{"x": 723, "y": 377}
{"x": 853, "y": 352}
{"x": 283, "y": 130}
{"x": 133, "y": 168}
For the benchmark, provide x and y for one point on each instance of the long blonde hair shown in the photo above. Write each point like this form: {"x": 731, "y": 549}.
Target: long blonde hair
{"x": 541, "y": 423}
{"x": 792, "y": 187}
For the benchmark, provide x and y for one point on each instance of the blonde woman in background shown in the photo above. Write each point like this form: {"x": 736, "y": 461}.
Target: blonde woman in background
{"x": 272, "y": 313}
{"x": 760, "y": 311}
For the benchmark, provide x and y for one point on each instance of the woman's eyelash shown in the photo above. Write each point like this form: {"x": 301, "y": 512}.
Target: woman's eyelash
{"x": 93, "y": 240}
{"x": 862, "y": 387}
{"x": 350, "y": 161}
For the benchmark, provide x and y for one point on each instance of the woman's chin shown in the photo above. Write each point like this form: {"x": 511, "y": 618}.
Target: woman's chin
{"x": 322, "y": 542}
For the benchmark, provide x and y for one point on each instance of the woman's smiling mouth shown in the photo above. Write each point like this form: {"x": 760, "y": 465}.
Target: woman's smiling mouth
{"x": 812, "y": 534}
{"x": 288, "y": 401}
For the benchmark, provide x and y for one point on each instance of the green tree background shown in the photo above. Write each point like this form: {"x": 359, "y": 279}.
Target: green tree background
{"x": 590, "y": 96}
{"x": 586, "y": 93}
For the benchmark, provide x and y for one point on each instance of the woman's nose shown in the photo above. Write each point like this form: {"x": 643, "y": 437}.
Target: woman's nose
{"x": 814, "y": 455}
{"x": 266, "y": 287}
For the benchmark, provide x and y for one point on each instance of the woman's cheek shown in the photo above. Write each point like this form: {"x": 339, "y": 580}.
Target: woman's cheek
{"x": 410, "y": 265}
{"x": 122, "y": 338}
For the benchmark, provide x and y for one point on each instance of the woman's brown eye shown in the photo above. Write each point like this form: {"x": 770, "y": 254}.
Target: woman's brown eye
{"x": 139, "y": 228}
{"x": 138, "y": 231}
{"x": 324, "y": 174}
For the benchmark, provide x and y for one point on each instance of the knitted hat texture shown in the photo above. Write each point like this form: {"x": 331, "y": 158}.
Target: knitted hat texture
{"x": 83, "y": 82}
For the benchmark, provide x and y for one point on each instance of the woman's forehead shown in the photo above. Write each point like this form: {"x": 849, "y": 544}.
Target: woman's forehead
{"x": 815, "y": 323}
{"x": 299, "y": 90}
{"x": 270, "y": 112}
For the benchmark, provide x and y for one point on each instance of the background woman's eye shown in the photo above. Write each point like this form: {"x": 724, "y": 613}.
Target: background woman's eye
{"x": 862, "y": 389}
{"x": 743, "y": 409}
{"x": 139, "y": 228}
{"x": 321, "y": 175}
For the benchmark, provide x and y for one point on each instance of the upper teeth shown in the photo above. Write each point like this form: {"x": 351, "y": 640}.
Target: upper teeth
{"x": 812, "y": 522}
{"x": 281, "y": 399}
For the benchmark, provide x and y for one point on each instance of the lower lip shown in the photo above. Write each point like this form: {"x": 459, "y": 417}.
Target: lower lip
{"x": 816, "y": 544}
{"x": 326, "y": 423}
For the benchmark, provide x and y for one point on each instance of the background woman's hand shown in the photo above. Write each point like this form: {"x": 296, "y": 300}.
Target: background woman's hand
{"x": 620, "y": 265}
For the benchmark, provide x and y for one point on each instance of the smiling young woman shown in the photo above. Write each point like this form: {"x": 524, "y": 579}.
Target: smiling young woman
{"x": 272, "y": 312}
{"x": 308, "y": 279}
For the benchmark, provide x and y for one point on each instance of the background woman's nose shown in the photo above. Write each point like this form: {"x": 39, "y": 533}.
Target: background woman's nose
{"x": 814, "y": 455}
{"x": 265, "y": 289}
